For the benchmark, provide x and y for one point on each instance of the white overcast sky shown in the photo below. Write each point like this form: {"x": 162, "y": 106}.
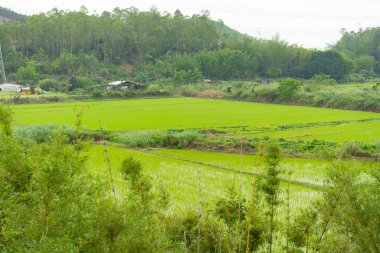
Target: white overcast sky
{"x": 310, "y": 23}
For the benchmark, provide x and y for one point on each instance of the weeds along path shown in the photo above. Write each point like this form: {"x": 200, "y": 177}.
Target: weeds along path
{"x": 152, "y": 152}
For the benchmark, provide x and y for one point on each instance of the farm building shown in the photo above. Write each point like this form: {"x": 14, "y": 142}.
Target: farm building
{"x": 9, "y": 87}
{"x": 123, "y": 85}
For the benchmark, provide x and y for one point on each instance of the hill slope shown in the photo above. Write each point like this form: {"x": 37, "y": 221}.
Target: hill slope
{"x": 8, "y": 14}
{"x": 228, "y": 32}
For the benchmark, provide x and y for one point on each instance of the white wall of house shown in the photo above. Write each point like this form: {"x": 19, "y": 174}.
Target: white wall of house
{"x": 9, "y": 87}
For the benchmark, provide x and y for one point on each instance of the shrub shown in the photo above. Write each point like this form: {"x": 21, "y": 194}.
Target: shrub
{"x": 322, "y": 79}
{"x": 42, "y": 133}
{"x": 97, "y": 94}
{"x": 188, "y": 92}
{"x": 78, "y": 82}
{"x": 356, "y": 78}
{"x": 268, "y": 93}
{"x": 155, "y": 90}
{"x": 211, "y": 94}
{"x": 187, "y": 76}
{"x": 17, "y": 99}
{"x": 349, "y": 149}
{"x": 288, "y": 87}
{"x": 168, "y": 138}
{"x": 376, "y": 87}
{"x": 54, "y": 85}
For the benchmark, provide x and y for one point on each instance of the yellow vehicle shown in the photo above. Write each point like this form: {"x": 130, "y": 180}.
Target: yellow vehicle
{"x": 28, "y": 91}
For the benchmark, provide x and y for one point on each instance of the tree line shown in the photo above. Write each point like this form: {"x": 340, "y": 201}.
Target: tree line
{"x": 362, "y": 48}
{"x": 163, "y": 45}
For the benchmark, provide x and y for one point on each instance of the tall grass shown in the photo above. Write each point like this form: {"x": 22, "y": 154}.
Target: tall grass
{"x": 363, "y": 99}
{"x": 168, "y": 138}
{"x": 43, "y": 133}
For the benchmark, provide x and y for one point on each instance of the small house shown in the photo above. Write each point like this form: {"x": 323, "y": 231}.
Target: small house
{"x": 123, "y": 85}
{"x": 9, "y": 87}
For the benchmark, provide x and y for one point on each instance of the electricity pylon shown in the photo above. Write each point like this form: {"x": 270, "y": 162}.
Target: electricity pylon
{"x": 2, "y": 68}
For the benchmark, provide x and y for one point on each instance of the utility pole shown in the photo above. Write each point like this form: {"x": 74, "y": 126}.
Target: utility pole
{"x": 2, "y": 68}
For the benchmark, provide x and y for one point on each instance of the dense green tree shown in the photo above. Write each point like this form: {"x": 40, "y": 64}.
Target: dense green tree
{"x": 364, "y": 62}
{"x": 227, "y": 64}
{"x": 187, "y": 76}
{"x": 329, "y": 63}
{"x": 65, "y": 63}
{"x": 13, "y": 60}
{"x": 321, "y": 79}
{"x": 28, "y": 74}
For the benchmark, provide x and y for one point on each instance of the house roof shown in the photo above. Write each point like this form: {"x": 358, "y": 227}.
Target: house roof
{"x": 123, "y": 83}
{"x": 115, "y": 83}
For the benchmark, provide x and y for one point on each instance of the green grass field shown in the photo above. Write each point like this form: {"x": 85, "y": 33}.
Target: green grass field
{"x": 181, "y": 113}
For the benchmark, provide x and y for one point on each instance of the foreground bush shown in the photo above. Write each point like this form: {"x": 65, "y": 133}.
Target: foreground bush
{"x": 49, "y": 203}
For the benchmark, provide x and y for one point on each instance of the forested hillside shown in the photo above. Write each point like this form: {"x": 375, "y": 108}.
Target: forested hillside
{"x": 76, "y": 51}
{"x": 8, "y": 14}
{"x": 158, "y": 45}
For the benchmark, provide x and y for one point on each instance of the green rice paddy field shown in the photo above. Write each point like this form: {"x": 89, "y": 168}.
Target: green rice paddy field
{"x": 293, "y": 122}
{"x": 178, "y": 169}
{"x": 181, "y": 177}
